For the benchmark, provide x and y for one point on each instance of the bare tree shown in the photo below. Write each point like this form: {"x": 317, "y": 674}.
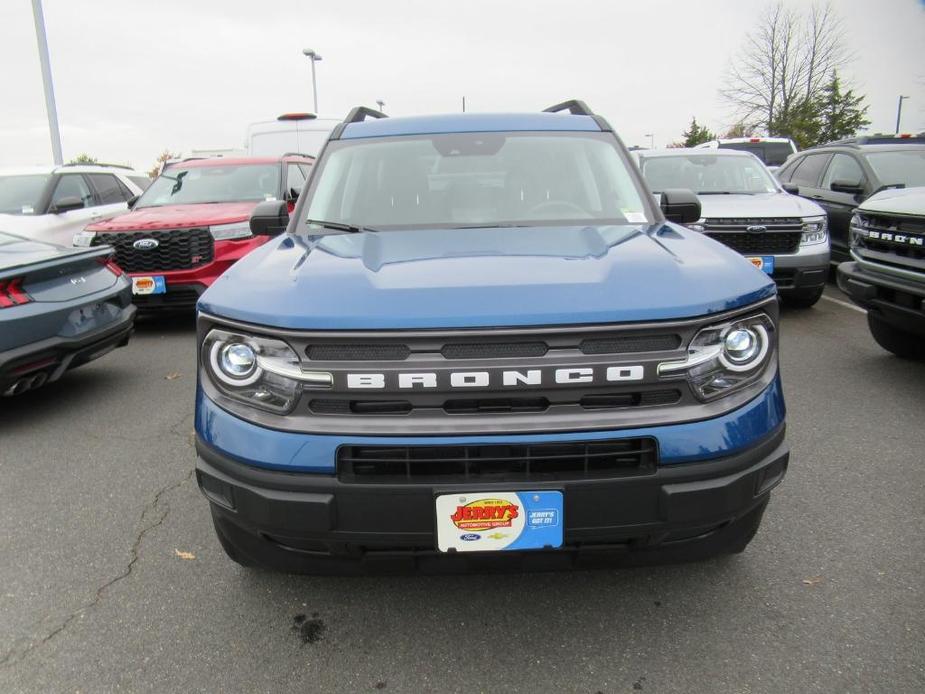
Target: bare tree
{"x": 785, "y": 63}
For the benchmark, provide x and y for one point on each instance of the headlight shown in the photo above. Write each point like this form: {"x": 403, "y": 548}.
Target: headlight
{"x": 697, "y": 226}
{"x": 725, "y": 358}
{"x": 857, "y": 229}
{"x": 238, "y": 230}
{"x": 258, "y": 371}
{"x": 814, "y": 230}
{"x": 84, "y": 238}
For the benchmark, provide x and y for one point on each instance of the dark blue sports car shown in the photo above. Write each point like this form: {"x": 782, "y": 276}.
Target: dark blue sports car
{"x": 59, "y": 308}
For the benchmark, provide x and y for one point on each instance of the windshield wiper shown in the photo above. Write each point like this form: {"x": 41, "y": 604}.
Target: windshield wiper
{"x": 724, "y": 192}
{"x": 339, "y": 226}
{"x": 494, "y": 225}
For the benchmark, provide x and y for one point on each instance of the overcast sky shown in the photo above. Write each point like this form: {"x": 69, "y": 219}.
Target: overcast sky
{"x": 134, "y": 77}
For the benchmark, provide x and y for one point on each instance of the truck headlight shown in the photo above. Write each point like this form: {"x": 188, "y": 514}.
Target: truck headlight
{"x": 224, "y": 232}
{"x": 857, "y": 229}
{"x": 724, "y": 358}
{"x": 698, "y": 225}
{"x": 259, "y": 371}
{"x": 83, "y": 239}
{"x": 815, "y": 230}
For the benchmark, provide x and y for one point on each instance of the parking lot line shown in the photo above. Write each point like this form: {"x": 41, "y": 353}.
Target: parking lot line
{"x": 844, "y": 303}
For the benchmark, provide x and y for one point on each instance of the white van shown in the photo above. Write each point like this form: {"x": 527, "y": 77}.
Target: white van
{"x": 304, "y": 133}
{"x": 773, "y": 151}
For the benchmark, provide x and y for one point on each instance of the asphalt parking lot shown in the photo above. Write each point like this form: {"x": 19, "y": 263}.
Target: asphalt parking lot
{"x": 111, "y": 577}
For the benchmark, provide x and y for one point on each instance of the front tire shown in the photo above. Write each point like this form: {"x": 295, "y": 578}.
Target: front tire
{"x": 900, "y": 342}
{"x": 802, "y": 298}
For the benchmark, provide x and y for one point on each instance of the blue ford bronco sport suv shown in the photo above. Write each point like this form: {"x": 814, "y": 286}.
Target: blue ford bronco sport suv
{"x": 480, "y": 343}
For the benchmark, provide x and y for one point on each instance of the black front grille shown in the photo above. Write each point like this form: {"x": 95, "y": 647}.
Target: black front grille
{"x": 358, "y": 352}
{"x": 898, "y": 225}
{"x": 496, "y": 404}
{"x": 631, "y": 343}
{"x": 502, "y": 463}
{"x": 897, "y": 241}
{"x": 177, "y": 249}
{"x": 771, "y": 242}
{"x": 493, "y": 350}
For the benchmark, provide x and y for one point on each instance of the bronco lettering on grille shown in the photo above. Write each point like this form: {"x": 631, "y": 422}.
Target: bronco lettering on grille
{"x": 499, "y": 377}
{"x": 896, "y": 238}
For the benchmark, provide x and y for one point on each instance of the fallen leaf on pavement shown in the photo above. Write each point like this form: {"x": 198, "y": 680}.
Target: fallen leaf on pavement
{"x": 812, "y": 580}
{"x": 172, "y": 376}
{"x": 185, "y": 555}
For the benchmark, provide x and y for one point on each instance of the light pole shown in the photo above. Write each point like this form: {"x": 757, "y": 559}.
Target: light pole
{"x": 651, "y": 137}
{"x": 381, "y": 104}
{"x": 314, "y": 57}
{"x": 899, "y": 112}
{"x": 50, "y": 107}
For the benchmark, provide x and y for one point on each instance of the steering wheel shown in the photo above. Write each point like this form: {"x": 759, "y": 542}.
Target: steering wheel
{"x": 564, "y": 205}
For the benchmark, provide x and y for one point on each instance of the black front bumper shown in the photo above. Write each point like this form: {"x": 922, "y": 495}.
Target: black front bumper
{"x": 46, "y": 361}
{"x": 178, "y": 297}
{"x": 799, "y": 279}
{"x": 900, "y": 302}
{"x": 318, "y": 517}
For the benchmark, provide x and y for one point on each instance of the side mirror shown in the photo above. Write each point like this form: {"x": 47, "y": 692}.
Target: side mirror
{"x": 850, "y": 187}
{"x": 791, "y": 188}
{"x": 132, "y": 200}
{"x": 680, "y": 205}
{"x": 270, "y": 218}
{"x": 66, "y": 204}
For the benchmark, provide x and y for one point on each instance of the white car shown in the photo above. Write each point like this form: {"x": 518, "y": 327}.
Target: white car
{"x": 52, "y": 203}
{"x": 773, "y": 151}
{"x": 290, "y": 133}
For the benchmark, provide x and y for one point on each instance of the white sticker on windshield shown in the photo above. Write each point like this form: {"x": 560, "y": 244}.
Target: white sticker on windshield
{"x": 268, "y": 197}
{"x": 635, "y": 217}
{"x": 27, "y": 209}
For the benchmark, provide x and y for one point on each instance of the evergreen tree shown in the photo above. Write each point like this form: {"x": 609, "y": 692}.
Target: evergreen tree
{"x": 841, "y": 114}
{"x": 696, "y": 134}
{"x": 83, "y": 158}
{"x": 801, "y": 123}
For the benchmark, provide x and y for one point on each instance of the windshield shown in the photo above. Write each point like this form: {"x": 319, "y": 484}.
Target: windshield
{"x": 907, "y": 166}
{"x": 201, "y": 184}
{"x": 476, "y": 179}
{"x": 771, "y": 153}
{"x": 21, "y": 194}
{"x": 707, "y": 174}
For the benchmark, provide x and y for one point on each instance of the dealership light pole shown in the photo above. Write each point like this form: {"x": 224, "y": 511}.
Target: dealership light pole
{"x": 314, "y": 57}
{"x": 381, "y": 104}
{"x": 899, "y": 112}
{"x": 50, "y": 107}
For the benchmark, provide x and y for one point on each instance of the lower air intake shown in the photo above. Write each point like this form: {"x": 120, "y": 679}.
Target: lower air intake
{"x": 573, "y": 460}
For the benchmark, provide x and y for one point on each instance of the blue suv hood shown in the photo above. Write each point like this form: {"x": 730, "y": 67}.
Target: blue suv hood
{"x": 462, "y": 278}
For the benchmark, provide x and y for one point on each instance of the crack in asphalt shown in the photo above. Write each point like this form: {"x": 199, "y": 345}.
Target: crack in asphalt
{"x": 17, "y": 654}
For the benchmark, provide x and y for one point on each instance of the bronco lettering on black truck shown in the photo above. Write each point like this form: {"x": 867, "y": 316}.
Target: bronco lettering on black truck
{"x": 480, "y": 334}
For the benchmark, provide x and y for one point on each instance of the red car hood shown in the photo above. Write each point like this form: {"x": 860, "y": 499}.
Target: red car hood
{"x": 173, "y": 216}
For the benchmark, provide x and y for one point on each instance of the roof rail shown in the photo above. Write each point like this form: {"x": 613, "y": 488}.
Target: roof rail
{"x": 902, "y": 138}
{"x": 360, "y": 113}
{"x": 110, "y": 166}
{"x": 573, "y": 106}
{"x": 298, "y": 154}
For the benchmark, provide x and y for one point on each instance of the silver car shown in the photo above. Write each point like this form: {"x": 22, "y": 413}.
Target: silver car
{"x": 745, "y": 208}
{"x": 59, "y": 308}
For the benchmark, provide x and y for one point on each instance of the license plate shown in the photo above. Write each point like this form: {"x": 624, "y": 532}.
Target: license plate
{"x": 765, "y": 263}
{"x": 153, "y": 284}
{"x": 499, "y": 521}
